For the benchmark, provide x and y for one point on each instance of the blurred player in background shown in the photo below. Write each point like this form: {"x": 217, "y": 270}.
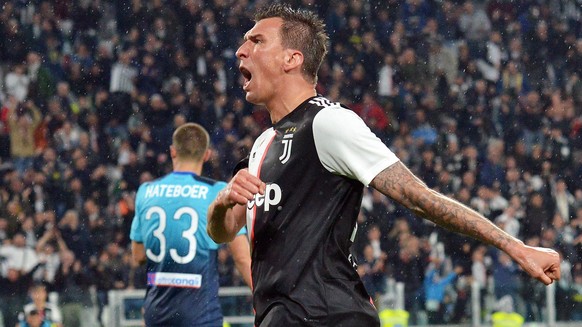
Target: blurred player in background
{"x": 169, "y": 233}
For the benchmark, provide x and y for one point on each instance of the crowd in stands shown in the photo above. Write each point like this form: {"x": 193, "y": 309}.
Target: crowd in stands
{"x": 481, "y": 99}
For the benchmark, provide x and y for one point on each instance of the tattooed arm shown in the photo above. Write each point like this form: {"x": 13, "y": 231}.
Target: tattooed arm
{"x": 401, "y": 185}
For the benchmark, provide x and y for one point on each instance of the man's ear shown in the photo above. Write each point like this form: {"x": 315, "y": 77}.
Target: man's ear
{"x": 207, "y": 155}
{"x": 172, "y": 152}
{"x": 293, "y": 60}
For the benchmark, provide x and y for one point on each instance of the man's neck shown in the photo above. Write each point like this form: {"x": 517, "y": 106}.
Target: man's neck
{"x": 288, "y": 101}
{"x": 188, "y": 167}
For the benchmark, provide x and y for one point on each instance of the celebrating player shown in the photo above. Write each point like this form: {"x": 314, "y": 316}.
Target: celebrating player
{"x": 301, "y": 190}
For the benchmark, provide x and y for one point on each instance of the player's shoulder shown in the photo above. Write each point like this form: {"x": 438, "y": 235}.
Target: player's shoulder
{"x": 191, "y": 178}
{"x": 145, "y": 185}
{"x": 330, "y": 114}
{"x": 321, "y": 102}
{"x": 208, "y": 180}
{"x": 327, "y": 109}
{"x": 153, "y": 181}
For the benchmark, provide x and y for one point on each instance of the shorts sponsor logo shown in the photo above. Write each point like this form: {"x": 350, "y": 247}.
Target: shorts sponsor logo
{"x": 175, "y": 280}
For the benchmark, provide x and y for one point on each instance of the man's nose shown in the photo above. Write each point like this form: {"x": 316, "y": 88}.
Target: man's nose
{"x": 242, "y": 51}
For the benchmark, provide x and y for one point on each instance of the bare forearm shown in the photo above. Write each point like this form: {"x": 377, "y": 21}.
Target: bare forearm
{"x": 401, "y": 185}
{"x": 240, "y": 250}
{"x": 459, "y": 218}
{"x": 227, "y": 213}
{"x": 138, "y": 253}
{"x": 222, "y": 223}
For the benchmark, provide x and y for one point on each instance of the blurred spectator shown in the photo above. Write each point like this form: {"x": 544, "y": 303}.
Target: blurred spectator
{"x": 538, "y": 56}
{"x": 75, "y": 236}
{"x": 563, "y": 201}
{"x": 27, "y": 229}
{"x": 414, "y": 15}
{"x": 408, "y": 267}
{"x": 99, "y": 227}
{"x": 386, "y": 79}
{"x": 508, "y": 221}
{"x": 48, "y": 248}
{"x": 479, "y": 268}
{"x": 373, "y": 114}
{"x": 423, "y": 131}
{"x": 110, "y": 274}
{"x": 371, "y": 271}
{"x": 16, "y": 82}
{"x": 513, "y": 81}
{"x": 72, "y": 282}
{"x": 13, "y": 46}
{"x": 429, "y": 166}
{"x": 336, "y": 19}
{"x": 558, "y": 148}
{"x": 495, "y": 55}
{"x": 149, "y": 79}
{"x": 475, "y": 25}
{"x": 380, "y": 213}
{"x": 33, "y": 318}
{"x": 18, "y": 265}
{"x": 40, "y": 308}
{"x": 506, "y": 276}
{"x": 413, "y": 69}
{"x": 436, "y": 282}
{"x": 537, "y": 216}
{"x": 442, "y": 60}
{"x": 23, "y": 121}
{"x": 18, "y": 256}
{"x": 122, "y": 86}
{"x": 67, "y": 137}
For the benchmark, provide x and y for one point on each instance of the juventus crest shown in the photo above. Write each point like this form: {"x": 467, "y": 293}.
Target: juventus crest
{"x": 287, "y": 143}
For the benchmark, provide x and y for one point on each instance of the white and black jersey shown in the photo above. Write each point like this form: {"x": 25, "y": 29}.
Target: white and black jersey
{"x": 315, "y": 162}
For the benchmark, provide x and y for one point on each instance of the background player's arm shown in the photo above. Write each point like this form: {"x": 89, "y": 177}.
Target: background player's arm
{"x": 227, "y": 213}
{"x": 400, "y": 184}
{"x": 241, "y": 254}
{"x": 138, "y": 253}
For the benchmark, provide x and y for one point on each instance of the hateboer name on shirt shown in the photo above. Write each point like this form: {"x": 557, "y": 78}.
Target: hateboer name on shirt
{"x": 174, "y": 191}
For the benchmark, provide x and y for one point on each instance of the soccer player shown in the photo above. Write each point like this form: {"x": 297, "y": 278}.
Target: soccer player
{"x": 300, "y": 192}
{"x": 169, "y": 232}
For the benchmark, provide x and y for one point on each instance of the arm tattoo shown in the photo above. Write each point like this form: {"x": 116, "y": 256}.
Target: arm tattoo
{"x": 400, "y": 184}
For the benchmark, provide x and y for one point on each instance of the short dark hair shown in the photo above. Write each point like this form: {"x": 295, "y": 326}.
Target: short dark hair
{"x": 191, "y": 141}
{"x": 301, "y": 30}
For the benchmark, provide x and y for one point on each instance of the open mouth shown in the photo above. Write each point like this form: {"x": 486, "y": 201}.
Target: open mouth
{"x": 247, "y": 75}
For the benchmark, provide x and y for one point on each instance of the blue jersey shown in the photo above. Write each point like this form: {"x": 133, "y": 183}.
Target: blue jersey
{"x": 170, "y": 220}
